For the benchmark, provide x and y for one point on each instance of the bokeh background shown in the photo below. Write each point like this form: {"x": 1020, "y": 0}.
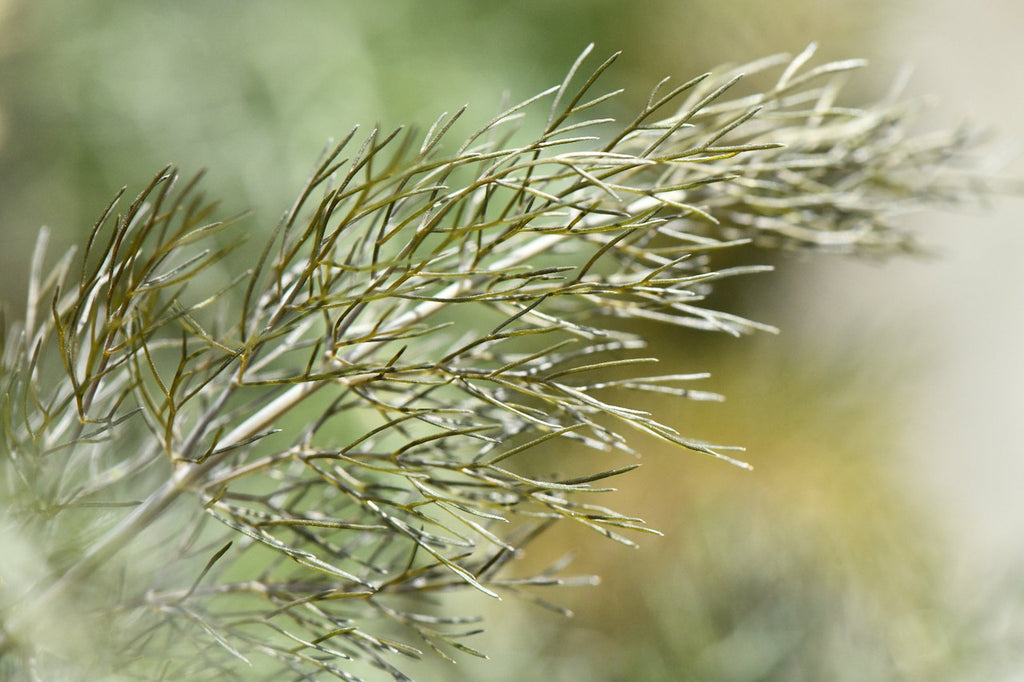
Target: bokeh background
{"x": 881, "y": 535}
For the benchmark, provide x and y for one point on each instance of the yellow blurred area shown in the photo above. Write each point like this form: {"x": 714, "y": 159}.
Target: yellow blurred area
{"x": 815, "y": 565}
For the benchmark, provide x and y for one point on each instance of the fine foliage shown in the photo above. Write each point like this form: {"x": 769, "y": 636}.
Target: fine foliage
{"x": 269, "y": 468}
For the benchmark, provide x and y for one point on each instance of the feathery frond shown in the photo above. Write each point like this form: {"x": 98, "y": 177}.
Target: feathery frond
{"x": 284, "y": 461}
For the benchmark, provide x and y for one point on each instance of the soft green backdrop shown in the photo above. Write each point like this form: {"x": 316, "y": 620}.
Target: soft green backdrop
{"x": 830, "y": 562}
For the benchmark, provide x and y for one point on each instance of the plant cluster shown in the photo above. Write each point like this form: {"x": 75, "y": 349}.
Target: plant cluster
{"x": 239, "y": 469}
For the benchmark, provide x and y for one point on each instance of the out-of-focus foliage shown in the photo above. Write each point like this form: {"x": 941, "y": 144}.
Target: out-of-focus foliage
{"x": 814, "y": 568}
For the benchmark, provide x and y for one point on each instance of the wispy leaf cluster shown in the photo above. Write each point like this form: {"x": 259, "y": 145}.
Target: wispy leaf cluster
{"x": 284, "y": 459}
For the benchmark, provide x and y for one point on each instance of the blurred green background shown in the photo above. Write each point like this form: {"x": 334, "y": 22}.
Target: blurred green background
{"x": 879, "y": 535}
